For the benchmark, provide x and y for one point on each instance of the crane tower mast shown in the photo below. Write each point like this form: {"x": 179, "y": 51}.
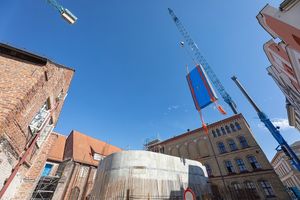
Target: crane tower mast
{"x": 212, "y": 76}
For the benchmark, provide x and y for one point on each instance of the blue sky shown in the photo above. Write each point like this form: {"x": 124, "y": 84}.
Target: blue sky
{"x": 130, "y": 81}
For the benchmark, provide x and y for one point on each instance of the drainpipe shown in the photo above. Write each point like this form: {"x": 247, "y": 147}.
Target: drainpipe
{"x": 24, "y": 156}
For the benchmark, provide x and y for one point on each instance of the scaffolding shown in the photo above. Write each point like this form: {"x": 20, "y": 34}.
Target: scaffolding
{"x": 45, "y": 188}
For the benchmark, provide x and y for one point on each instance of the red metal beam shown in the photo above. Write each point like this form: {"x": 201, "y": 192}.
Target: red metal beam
{"x": 24, "y": 156}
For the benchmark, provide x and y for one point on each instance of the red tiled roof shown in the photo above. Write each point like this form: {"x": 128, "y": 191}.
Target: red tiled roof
{"x": 81, "y": 148}
{"x": 57, "y": 151}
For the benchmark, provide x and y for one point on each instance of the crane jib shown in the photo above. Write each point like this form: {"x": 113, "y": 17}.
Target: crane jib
{"x": 211, "y": 75}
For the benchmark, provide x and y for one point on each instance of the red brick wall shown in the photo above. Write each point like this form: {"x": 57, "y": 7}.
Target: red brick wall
{"x": 33, "y": 173}
{"x": 23, "y": 90}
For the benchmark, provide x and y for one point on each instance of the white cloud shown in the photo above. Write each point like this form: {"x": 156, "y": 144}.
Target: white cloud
{"x": 281, "y": 122}
{"x": 173, "y": 107}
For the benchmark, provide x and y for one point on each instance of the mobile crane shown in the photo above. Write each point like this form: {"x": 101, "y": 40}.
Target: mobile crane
{"x": 270, "y": 126}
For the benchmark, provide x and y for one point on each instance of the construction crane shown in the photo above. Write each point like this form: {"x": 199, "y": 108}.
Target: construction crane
{"x": 65, "y": 13}
{"x": 212, "y": 76}
{"x": 270, "y": 126}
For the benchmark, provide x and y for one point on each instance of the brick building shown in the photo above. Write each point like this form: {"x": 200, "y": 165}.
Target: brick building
{"x": 71, "y": 166}
{"x": 289, "y": 176}
{"x": 236, "y": 165}
{"x": 32, "y": 93}
{"x": 284, "y": 23}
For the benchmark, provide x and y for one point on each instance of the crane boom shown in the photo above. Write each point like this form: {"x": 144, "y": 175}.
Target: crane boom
{"x": 270, "y": 126}
{"x": 212, "y": 76}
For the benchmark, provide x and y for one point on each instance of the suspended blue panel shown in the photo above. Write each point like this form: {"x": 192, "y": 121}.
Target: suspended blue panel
{"x": 201, "y": 89}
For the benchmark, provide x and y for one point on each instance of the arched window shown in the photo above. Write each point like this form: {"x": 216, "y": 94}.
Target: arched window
{"x": 243, "y": 142}
{"x": 229, "y": 166}
{"x": 223, "y": 130}
{"x": 251, "y": 190}
{"x": 214, "y": 133}
{"x": 232, "y": 127}
{"x": 208, "y": 169}
{"x": 253, "y": 162}
{"x": 237, "y": 125}
{"x": 236, "y": 186}
{"x": 74, "y": 193}
{"x": 237, "y": 191}
{"x": 218, "y": 132}
{"x": 250, "y": 186}
{"x": 227, "y": 129}
{"x": 241, "y": 165}
{"x": 221, "y": 147}
{"x": 267, "y": 188}
{"x": 232, "y": 145}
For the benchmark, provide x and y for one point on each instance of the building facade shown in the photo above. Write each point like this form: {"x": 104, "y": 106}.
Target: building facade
{"x": 70, "y": 170}
{"x": 284, "y": 56}
{"x": 236, "y": 165}
{"x": 32, "y": 93}
{"x": 289, "y": 176}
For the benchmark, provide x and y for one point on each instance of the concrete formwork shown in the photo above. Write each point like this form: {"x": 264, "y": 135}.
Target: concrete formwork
{"x": 148, "y": 175}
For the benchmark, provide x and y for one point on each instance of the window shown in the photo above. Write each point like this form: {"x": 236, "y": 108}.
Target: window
{"x": 237, "y": 125}
{"x": 251, "y": 190}
{"x": 267, "y": 188}
{"x": 83, "y": 172}
{"x": 232, "y": 145}
{"x": 229, "y": 166}
{"x": 227, "y": 129}
{"x": 236, "y": 186}
{"x": 221, "y": 147}
{"x": 46, "y": 75}
{"x": 243, "y": 142}
{"x": 208, "y": 169}
{"x": 47, "y": 169}
{"x": 97, "y": 156}
{"x": 241, "y": 165}
{"x": 45, "y": 132}
{"x": 223, "y": 130}
{"x": 253, "y": 162}
{"x": 249, "y": 185}
{"x": 214, "y": 133}
{"x": 40, "y": 118}
{"x": 60, "y": 96}
{"x": 74, "y": 193}
{"x": 218, "y": 132}
{"x": 232, "y": 127}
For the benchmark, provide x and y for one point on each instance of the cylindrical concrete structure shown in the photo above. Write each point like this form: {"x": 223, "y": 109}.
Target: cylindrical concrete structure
{"x": 148, "y": 175}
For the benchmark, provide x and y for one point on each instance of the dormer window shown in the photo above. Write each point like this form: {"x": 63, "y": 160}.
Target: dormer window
{"x": 97, "y": 156}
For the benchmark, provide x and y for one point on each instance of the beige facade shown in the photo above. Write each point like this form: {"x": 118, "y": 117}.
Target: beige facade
{"x": 237, "y": 166}
{"x": 289, "y": 176}
{"x": 284, "y": 23}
